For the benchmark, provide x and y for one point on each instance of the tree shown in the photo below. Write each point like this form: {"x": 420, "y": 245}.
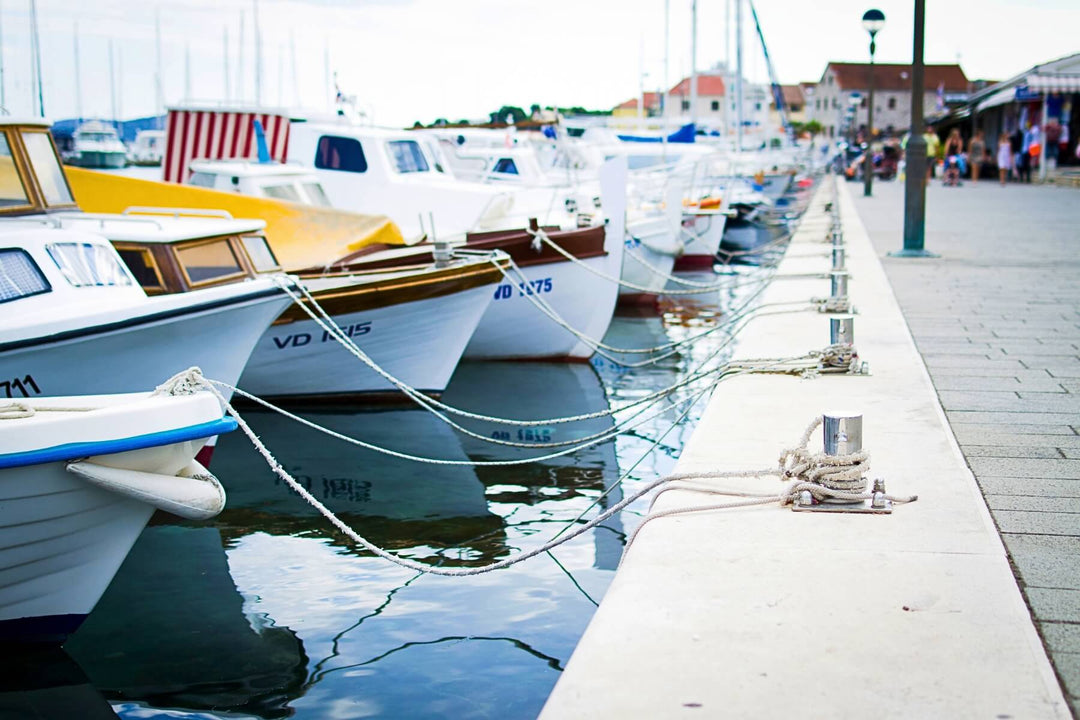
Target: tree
{"x": 509, "y": 114}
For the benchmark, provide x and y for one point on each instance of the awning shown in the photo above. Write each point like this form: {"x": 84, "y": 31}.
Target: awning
{"x": 1001, "y": 97}
{"x": 1054, "y": 83}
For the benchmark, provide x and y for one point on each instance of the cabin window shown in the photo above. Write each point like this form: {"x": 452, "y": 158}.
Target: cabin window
{"x": 46, "y": 167}
{"x": 12, "y": 192}
{"x": 89, "y": 264}
{"x": 340, "y": 153}
{"x": 505, "y": 165}
{"x": 202, "y": 179}
{"x": 407, "y": 155}
{"x": 258, "y": 250}
{"x": 20, "y": 276}
{"x": 282, "y": 192}
{"x": 316, "y": 194}
{"x": 207, "y": 261}
{"x": 140, "y": 261}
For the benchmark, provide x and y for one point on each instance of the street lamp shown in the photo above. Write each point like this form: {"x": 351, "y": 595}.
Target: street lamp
{"x": 872, "y": 22}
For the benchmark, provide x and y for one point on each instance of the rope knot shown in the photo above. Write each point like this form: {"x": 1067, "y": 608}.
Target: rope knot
{"x": 188, "y": 382}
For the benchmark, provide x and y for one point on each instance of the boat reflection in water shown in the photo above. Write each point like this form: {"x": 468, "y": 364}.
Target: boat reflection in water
{"x": 44, "y": 683}
{"x": 171, "y": 631}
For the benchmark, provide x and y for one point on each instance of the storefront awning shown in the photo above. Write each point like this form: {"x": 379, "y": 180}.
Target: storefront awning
{"x": 1054, "y": 83}
{"x": 1001, "y": 97}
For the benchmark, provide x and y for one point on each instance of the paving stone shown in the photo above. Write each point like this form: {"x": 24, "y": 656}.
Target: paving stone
{"x": 1037, "y": 523}
{"x": 1033, "y": 503}
{"x": 1048, "y": 561}
{"x": 1026, "y": 468}
{"x": 1019, "y": 402}
{"x": 1071, "y": 452}
{"x": 1067, "y": 665}
{"x": 971, "y": 432}
{"x": 1062, "y": 371}
{"x": 1004, "y": 370}
{"x": 1029, "y": 486}
{"x": 1061, "y": 637}
{"x": 1054, "y": 604}
{"x": 1012, "y": 451}
{"x": 936, "y": 360}
{"x": 1010, "y": 418}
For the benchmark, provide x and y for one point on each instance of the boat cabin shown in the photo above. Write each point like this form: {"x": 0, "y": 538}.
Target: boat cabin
{"x": 32, "y": 180}
{"x": 269, "y": 180}
{"x": 174, "y": 251}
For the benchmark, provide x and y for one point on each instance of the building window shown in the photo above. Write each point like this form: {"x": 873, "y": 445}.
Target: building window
{"x": 715, "y": 105}
{"x": 685, "y": 105}
{"x": 817, "y": 104}
{"x": 835, "y": 104}
{"x": 757, "y": 107}
{"x": 862, "y": 102}
{"x": 892, "y": 103}
{"x": 340, "y": 153}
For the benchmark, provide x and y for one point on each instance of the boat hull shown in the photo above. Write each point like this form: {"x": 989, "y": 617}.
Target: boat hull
{"x": 96, "y": 159}
{"x": 648, "y": 260}
{"x": 418, "y": 342}
{"x": 703, "y": 231}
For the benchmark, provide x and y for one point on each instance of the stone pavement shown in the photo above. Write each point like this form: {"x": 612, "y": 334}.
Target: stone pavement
{"x": 997, "y": 321}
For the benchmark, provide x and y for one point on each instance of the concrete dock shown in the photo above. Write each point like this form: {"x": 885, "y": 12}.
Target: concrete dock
{"x": 765, "y": 612}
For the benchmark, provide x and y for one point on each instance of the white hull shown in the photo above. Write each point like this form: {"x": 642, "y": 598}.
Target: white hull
{"x": 139, "y": 356}
{"x": 513, "y": 327}
{"x": 419, "y": 342}
{"x": 651, "y": 244}
{"x": 703, "y": 232}
{"x": 62, "y": 538}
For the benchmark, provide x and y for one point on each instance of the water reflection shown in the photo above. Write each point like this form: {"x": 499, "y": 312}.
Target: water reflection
{"x": 268, "y": 612}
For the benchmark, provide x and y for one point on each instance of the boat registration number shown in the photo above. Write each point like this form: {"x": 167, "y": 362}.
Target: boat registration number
{"x": 302, "y": 339}
{"x": 16, "y": 387}
{"x": 532, "y": 287}
{"x": 540, "y": 434}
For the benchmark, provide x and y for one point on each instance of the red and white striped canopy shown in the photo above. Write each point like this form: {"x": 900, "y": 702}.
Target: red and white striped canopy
{"x": 217, "y": 135}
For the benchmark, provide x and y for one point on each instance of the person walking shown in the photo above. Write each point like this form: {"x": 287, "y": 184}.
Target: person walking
{"x": 1004, "y": 157}
{"x": 976, "y": 155}
{"x": 954, "y": 145}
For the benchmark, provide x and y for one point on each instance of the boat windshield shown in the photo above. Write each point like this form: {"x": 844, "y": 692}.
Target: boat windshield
{"x": 282, "y": 192}
{"x": 407, "y": 156}
{"x": 20, "y": 276}
{"x": 12, "y": 192}
{"x": 89, "y": 264}
{"x": 316, "y": 194}
{"x": 46, "y": 166}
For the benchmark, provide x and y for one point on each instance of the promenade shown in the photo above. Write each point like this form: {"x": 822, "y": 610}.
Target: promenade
{"x": 997, "y": 320}
{"x": 765, "y": 612}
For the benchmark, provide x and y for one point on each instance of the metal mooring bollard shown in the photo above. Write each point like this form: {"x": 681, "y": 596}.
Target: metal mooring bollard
{"x": 843, "y": 435}
{"x": 842, "y": 432}
{"x": 842, "y": 330}
{"x": 838, "y": 257}
{"x": 839, "y": 284}
{"x": 443, "y": 253}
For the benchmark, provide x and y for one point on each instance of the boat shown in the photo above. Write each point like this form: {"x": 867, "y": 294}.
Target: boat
{"x": 148, "y": 148}
{"x": 96, "y": 144}
{"x": 80, "y": 477}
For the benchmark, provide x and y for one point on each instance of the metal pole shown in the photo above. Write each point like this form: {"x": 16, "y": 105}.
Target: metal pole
{"x": 915, "y": 182}
{"x": 738, "y": 77}
{"x": 35, "y": 45}
{"x": 693, "y": 64}
{"x": 1042, "y": 138}
{"x": 258, "y": 54}
{"x": 868, "y": 161}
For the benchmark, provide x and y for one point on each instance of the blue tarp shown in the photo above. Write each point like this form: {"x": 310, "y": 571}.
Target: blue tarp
{"x": 685, "y": 134}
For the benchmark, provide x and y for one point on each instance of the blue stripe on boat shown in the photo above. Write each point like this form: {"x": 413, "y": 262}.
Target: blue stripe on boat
{"x": 71, "y": 451}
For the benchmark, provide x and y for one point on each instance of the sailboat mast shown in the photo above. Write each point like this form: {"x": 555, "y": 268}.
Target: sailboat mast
{"x": 35, "y": 48}
{"x": 159, "y": 90}
{"x": 665, "y": 87}
{"x": 738, "y": 77}
{"x": 693, "y": 63}
{"x": 727, "y": 68}
{"x": 258, "y": 54}
{"x": 240, "y": 93}
{"x": 78, "y": 76}
{"x": 292, "y": 59}
{"x": 3, "y": 94}
{"x": 326, "y": 71}
{"x": 187, "y": 72}
{"x": 225, "y": 63}
{"x": 112, "y": 81}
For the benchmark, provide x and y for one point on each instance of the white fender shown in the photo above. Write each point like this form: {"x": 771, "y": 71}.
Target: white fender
{"x": 192, "y": 493}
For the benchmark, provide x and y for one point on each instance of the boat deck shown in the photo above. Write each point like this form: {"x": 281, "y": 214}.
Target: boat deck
{"x": 765, "y": 612}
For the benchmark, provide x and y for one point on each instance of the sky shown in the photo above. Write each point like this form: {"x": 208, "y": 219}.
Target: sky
{"x": 408, "y": 60}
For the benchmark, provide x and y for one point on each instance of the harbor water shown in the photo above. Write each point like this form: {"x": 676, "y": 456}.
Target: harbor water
{"x": 265, "y": 611}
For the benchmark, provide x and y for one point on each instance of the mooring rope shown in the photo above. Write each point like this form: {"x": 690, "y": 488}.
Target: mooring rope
{"x": 18, "y": 410}
{"x": 794, "y": 463}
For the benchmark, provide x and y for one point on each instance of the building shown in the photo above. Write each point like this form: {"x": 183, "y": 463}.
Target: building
{"x": 794, "y": 104}
{"x": 1043, "y": 95}
{"x": 710, "y": 99}
{"x": 839, "y": 99}
{"x": 650, "y": 105}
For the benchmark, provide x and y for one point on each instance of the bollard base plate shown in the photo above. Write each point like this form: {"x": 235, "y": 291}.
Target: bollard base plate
{"x": 913, "y": 254}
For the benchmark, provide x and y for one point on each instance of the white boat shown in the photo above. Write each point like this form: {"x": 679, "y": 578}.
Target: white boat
{"x": 79, "y": 478}
{"x": 148, "y": 148}
{"x": 96, "y": 145}
{"x": 75, "y": 320}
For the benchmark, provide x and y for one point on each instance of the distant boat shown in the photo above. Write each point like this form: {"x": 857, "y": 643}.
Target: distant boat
{"x": 148, "y": 148}
{"x": 96, "y": 145}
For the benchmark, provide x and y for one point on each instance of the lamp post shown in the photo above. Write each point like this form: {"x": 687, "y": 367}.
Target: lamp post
{"x": 872, "y": 22}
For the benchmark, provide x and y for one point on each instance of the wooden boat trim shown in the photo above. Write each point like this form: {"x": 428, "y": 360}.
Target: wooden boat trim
{"x": 400, "y": 290}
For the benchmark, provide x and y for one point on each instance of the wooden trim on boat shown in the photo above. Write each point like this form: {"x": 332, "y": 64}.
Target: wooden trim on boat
{"x": 397, "y": 290}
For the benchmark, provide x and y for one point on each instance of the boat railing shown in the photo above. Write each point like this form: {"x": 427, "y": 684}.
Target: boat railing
{"x": 102, "y": 218}
{"x": 177, "y": 212}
